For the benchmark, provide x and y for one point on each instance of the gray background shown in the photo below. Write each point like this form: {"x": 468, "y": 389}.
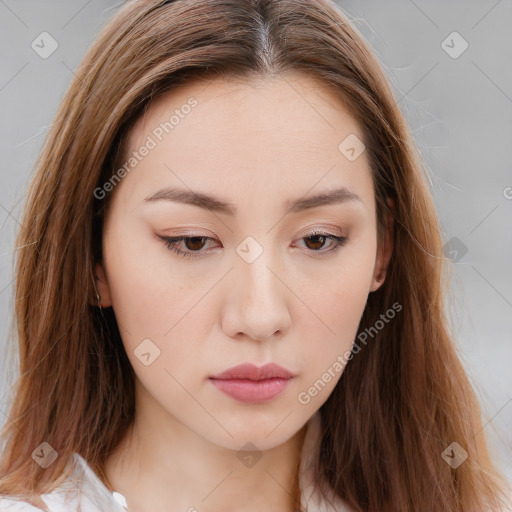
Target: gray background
{"x": 459, "y": 110}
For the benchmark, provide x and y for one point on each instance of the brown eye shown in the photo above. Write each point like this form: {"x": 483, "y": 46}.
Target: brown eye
{"x": 187, "y": 246}
{"x": 318, "y": 242}
{"x": 195, "y": 243}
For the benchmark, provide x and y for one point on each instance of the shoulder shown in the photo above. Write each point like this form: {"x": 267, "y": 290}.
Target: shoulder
{"x": 11, "y": 504}
{"x": 81, "y": 490}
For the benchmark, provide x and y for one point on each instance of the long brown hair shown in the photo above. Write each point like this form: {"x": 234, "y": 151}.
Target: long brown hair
{"x": 398, "y": 404}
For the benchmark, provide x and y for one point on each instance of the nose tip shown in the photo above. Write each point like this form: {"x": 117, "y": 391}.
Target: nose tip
{"x": 257, "y": 336}
{"x": 257, "y": 302}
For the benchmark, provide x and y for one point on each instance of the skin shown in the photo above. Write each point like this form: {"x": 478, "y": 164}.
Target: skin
{"x": 256, "y": 146}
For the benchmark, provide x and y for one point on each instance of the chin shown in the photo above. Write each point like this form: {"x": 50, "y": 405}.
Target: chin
{"x": 265, "y": 430}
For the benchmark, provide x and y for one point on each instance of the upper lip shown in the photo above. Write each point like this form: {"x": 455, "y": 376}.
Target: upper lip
{"x": 252, "y": 372}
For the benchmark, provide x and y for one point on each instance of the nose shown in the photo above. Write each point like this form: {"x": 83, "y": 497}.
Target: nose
{"x": 256, "y": 303}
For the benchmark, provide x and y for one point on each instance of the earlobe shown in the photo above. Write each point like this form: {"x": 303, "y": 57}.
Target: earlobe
{"x": 377, "y": 283}
{"x": 385, "y": 251}
{"x": 103, "y": 299}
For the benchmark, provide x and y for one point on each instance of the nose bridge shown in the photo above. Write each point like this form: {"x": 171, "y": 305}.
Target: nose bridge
{"x": 258, "y": 283}
{"x": 258, "y": 304}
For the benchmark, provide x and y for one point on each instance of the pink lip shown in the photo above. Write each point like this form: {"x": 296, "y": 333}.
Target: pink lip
{"x": 250, "y": 384}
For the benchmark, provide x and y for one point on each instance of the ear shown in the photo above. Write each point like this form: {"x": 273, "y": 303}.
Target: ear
{"x": 384, "y": 250}
{"x": 102, "y": 287}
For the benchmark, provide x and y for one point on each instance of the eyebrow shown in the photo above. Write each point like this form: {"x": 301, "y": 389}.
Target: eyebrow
{"x": 178, "y": 195}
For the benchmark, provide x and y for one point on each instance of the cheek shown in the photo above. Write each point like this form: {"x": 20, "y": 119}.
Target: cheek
{"x": 337, "y": 291}
{"x": 149, "y": 297}
{"x": 338, "y": 301}
{"x": 161, "y": 324}
{"x": 151, "y": 306}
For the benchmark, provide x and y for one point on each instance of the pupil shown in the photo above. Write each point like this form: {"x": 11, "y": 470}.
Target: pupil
{"x": 194, "y": 240}
{"x": 318, "y": 238}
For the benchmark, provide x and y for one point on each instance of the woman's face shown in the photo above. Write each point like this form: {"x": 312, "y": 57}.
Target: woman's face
{"x": 248, "y": 172}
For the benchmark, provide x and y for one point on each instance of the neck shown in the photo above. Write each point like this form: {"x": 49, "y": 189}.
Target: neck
{"x": 161, "y": 464}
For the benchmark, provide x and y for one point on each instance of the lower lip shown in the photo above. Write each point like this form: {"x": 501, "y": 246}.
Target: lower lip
{"x": 251, "y": 391}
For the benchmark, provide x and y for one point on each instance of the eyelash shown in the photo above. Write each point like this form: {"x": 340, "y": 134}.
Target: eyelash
{"x": 171, "y": 243}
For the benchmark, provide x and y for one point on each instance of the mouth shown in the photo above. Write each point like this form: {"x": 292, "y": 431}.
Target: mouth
{"x": 249, "y": 384}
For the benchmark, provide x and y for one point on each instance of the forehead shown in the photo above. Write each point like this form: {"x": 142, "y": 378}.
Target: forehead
{"x": 281, "y": 133}
{"x": 290, "y": 105}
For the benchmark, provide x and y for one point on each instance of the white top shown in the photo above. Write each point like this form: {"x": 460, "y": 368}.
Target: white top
{"x": 83, "y": 491}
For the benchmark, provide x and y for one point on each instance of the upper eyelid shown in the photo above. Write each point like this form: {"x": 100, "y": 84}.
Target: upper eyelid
{"x": 312, "y": 232}
{"x": 327, "y": 230}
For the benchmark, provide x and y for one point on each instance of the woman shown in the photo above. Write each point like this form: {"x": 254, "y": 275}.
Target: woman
{"x": 229, "y": 282}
